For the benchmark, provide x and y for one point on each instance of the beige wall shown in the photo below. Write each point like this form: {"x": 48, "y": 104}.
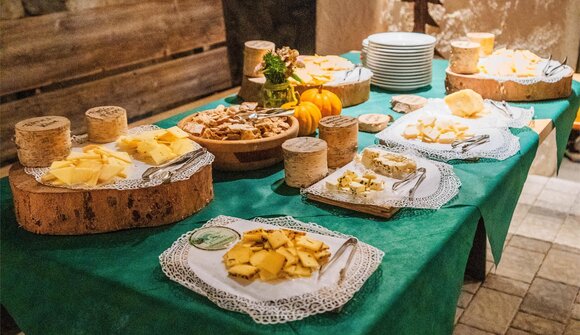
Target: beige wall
{"x": 542, "y": 26}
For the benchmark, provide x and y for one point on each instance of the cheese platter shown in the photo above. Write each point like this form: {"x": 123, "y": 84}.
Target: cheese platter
{"x": 147, "y": 177}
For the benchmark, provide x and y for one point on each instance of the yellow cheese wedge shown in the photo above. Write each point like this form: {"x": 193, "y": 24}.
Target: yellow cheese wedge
{"x": 465, "y": 103}
{"x": 307, "y": 259}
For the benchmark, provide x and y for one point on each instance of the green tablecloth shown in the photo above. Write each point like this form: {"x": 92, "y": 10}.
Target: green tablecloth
{"x": 112, "y": 283}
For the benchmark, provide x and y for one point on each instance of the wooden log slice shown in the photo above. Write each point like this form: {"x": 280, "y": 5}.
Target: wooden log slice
{"x": 350, "y": 94}
{"x": 508, "y": 90}
{"x": 464, "y": 57}
{"x": 305, "y": 161}
{"x": 254, "y": 51}
{"x": 106, "y": 123}
{"x": 341, "y": 134}
{"x": 59, "y": 211}
{"x": 42, "y": 140}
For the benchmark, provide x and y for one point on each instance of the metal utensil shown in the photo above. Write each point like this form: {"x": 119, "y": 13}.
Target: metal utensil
{"x": 347, "y": 73}
{"x": 503, "y": 107}
{"x": 279, "y": 112}
{"x": 351, "y": 241}
{"x": 178, "y": 160}
{"x": 166, "y": 177}
{"x": 422, "y": 177}
{"x": 472, "y": 145}
{"x": 470, "y": 140}
{"x": 550, "y": 70}
{"x": 406, "y": 180}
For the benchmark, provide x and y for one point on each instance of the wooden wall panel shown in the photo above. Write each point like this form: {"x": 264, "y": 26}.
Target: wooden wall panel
{"x": 38, "y": 51}
{"x": 139, "y": 92}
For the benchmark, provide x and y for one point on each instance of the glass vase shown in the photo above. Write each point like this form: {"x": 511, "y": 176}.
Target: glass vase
{"x": 275, "y": 95}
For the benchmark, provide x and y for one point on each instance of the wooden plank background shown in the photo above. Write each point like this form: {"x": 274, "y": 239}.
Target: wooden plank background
{"x": 144, "y": 56}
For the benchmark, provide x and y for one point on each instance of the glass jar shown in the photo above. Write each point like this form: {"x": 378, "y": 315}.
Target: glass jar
{"x": 275, "y": 95}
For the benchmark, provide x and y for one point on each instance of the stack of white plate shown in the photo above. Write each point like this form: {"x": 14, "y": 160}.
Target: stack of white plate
{"x": 363, "y": 52}
{"x": 400, "y": 61}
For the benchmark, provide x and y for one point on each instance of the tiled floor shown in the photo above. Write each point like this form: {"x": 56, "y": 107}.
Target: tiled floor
{"x": 535, "y": 289}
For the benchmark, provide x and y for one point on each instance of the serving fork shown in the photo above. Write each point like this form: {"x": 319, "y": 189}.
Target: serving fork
{"x": 266, "y": 113}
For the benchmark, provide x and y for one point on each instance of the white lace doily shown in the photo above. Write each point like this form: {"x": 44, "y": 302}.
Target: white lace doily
{"x": 493, "y": 117}
{"x": 502, "y": 144}
{"x": 440, "y": 185}
{"x": 540, "y": 77}
{"x": 174, "y": 263}
{"x": 135, "y": 171}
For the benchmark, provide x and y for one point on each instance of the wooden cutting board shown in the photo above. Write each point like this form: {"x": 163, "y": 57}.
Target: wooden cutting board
{"x": 383, "y": 212}
{"x": 59, "y": 211}
{"x": 508, "y": 90}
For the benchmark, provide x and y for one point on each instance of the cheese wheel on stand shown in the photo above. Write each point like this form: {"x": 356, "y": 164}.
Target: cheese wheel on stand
{"x": 464, "y": 57}
{"x": 42, "y": 140}
{"x": 304, "y": 161}
{"x": 341, "y": 134}
{"x": 106, "y": 123}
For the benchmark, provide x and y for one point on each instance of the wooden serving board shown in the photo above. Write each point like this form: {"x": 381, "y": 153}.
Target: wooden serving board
{"x": 508, "y": 90}
{"x": 350, "y": 94}
{"x": 384, "y": 212}
{"x": 60, "y": 211}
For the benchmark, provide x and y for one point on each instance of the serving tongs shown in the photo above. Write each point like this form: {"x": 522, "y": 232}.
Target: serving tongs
{"x": 471, "y": 142}
{"x": 185, "y": 159}
{"x": 419, "y": 175}
{"x": 350, "y": 242}
{"x": 503, "y": 107}
{"x": 550, "y": 70}
{"x": 266, "y": 113}
{"x": 356, "y": 67}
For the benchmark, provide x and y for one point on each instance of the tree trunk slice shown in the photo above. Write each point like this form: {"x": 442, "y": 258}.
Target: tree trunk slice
{"x": 508, "y": 90}
{"x": 59, "y": 211}
{"x": 384, "y": 212}
{"x": 350, "y": 94}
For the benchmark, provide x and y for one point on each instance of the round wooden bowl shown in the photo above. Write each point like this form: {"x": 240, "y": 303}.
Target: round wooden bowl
{"x": 244, "y": 155}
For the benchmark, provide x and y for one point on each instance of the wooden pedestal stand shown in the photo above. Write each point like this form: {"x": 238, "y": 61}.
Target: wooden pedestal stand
{"x": 508, "y": 90}
{"x": 59, "y": 211}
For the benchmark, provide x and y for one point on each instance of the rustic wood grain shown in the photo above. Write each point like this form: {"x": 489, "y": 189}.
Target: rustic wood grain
{"x": 156, "y": 87}
{"x": 384, "y": 212}
{"x": 508, "y": 90}
{"x": 38, "y": 51}
{"x": 60, "y": 211}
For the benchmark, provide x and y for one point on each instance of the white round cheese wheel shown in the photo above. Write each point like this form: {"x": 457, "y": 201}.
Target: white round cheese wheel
{"x": 373, "y": 123}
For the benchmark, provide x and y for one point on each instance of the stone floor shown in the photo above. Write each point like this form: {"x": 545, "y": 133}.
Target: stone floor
{"x": 535, "y": 289}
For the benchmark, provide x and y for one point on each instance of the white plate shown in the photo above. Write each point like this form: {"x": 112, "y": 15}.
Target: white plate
{"x": 401, "y": 39}
{"x": 413, "y": 68}
{"x": 419, "y": 81}
{"x": 398, "y": 88}
{"x": 402, "y": 61}
{"x": 277, "y": 301}
{"x": 492, "y": 118}
{"x": 429, "y": 48}
{"x": 440, "y": 185}
{"x": 502, "y": 143}
{"x": 401, "y": 52}
{"x": 396, "y": 60}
